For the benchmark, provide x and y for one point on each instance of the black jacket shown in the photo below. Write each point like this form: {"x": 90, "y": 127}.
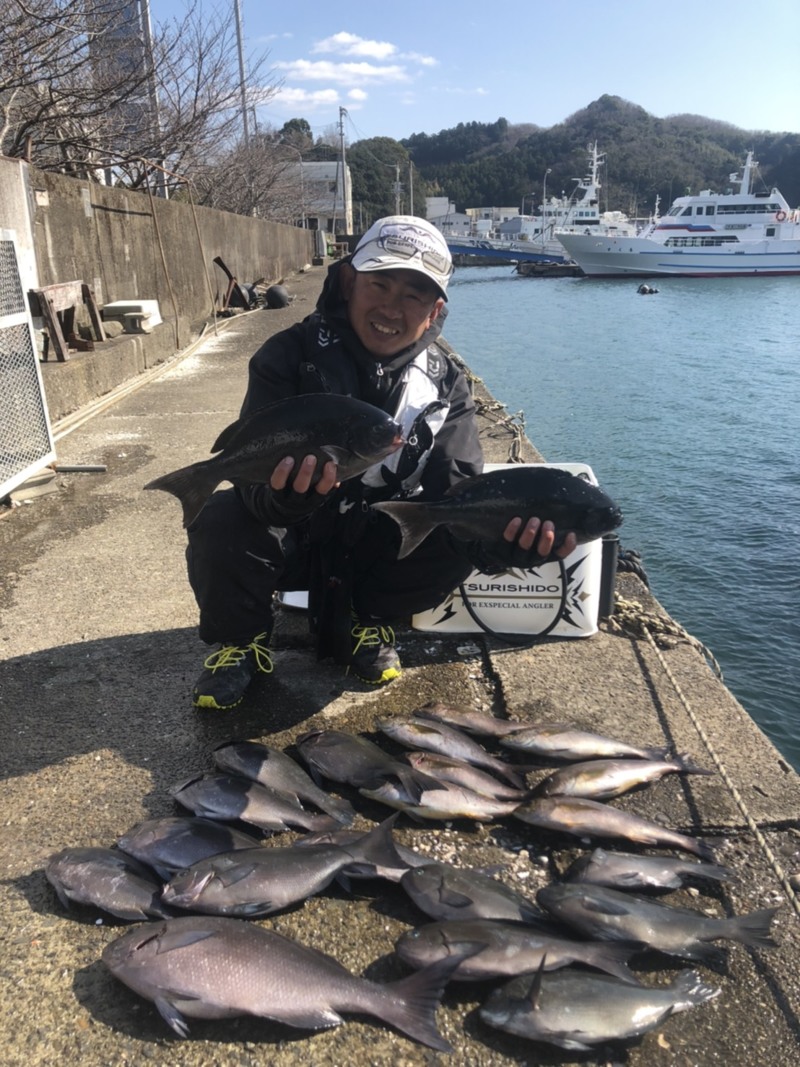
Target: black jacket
{"x": 323, "y": 354}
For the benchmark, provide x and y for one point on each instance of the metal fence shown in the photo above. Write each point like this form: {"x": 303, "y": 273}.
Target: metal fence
{"x": 26, "y": 442}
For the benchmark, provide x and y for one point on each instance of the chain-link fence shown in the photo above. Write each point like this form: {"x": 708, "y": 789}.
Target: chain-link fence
{"x": 26, "y": 443}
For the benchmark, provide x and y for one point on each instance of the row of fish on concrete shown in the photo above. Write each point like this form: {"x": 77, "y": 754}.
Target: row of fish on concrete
{"x": 564, "y": 957}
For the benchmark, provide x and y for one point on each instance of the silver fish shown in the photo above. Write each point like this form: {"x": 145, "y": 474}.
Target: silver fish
{"x": 274, "y": 769}
{"x": 443, "y": 801}
{"x": 561, "y": 741}
{"x": 480, "y": 508}
{"x": 228, "y": 796}
{"x": 260, "y": 881}
{"x": 474, "y": 722}
{"x": 446, "y": 892}
{"x": 461, "y": 772}
{"x": 438, "y": 737}
{"x": 170, "y": 844}
{"x": 351, "y": 432}
{"x": 591, "y": 818}
{"x": 613, "y": 915}
{"x": 625, "y": 870}
{"x": 372, "y": 869}
{"x": 506, "y": 949}
{"x": 107, "y": 879}
{"x": 207, "y": 967}
{"x": 576, "y": 1010}
{"x": 602, "y": 779}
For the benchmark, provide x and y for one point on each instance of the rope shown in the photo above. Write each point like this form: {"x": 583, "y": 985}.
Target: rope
{"x": 632, "y": 614}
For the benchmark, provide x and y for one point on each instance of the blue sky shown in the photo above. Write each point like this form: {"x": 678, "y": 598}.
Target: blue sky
{"x": 415, "y": 67}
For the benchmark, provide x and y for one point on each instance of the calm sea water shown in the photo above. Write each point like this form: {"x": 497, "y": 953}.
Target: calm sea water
{"x": 686, "y": 404}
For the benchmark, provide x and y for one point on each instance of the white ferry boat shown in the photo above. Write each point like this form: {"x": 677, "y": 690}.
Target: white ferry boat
{"x": 713, "y": 235}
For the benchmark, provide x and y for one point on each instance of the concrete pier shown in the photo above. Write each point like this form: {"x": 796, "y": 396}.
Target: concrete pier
{"x": 99, "y": 653}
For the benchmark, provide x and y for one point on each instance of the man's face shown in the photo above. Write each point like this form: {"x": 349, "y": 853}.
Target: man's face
{"x": 389, "y": 309}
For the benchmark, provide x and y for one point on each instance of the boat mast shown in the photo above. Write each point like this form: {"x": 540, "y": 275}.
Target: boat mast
{"x": 749, "y": 165}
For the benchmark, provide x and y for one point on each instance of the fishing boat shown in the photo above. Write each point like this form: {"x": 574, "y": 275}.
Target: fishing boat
{"x": 716, "y": 235}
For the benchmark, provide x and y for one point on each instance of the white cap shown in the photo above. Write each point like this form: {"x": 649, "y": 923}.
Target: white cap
{"x": 405, "y": 242}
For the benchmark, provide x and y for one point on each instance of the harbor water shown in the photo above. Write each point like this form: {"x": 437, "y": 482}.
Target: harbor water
{"x": 686, "y": 404}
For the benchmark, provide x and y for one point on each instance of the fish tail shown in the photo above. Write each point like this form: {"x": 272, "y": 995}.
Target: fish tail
{"x": 689, "y": 989}
{"x": 697, "y": 846}
{"x": 714, "y": 871}
{"x": 688, "y": 766}
{"x": 414, "y": 520}
{"x": 754, "y": 929}
{"x": 192, "y": 485}
{"x": 377, "y": 846}
{"x": 410, "y": 1004}
{"x": 659, "y": 752}
{"x": 341, "y": 810}
{"x": 613, "y": 957}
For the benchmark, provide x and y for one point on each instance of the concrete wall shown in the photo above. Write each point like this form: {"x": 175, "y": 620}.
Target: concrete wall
{"x": 126, "y": 245}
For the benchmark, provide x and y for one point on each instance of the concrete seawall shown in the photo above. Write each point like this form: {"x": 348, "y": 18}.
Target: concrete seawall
{"x": 97, "y": 630}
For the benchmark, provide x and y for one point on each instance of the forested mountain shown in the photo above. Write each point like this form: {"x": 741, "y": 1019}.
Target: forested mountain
{"x": 497, "y": 164}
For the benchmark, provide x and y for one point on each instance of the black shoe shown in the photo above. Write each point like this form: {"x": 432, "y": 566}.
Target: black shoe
{"x": 374, "y": 659}
{"x": 229, "y": 671}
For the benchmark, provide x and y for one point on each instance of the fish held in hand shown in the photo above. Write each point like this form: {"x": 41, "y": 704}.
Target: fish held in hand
{"x": 352, "y": 433}
{"x": 625, "y": 870}
{"x": 613, "y": 915}
{"x": 481, "y": 507}
{"x": 578, "y": 1011}
{"x": 207, "y": 967}
{"x": 495, "y": 949}
{"x": 592, "y": 818}
{"x": 107, "y": 879}
{"x": 603, "y": 779}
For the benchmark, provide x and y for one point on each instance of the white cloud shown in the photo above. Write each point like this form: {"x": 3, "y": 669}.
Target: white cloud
{"x": 323, "y": 70}
{"x": 357, "y": 94}
{"x": 348, "y": 44}
{"x": 302, "y": 98}
{"x": 422, "y": 61}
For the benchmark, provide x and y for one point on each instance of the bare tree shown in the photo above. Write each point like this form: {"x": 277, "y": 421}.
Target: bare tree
{"x": 262, "y": 178}
{"x": 86, "y": 88}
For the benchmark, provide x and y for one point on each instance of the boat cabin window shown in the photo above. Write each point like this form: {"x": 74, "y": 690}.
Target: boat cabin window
{"x": 699, "y": 209}
{"x": 748, "y": 209}
{"x": 687, "y": 210}
{"x": 709, "y": 209}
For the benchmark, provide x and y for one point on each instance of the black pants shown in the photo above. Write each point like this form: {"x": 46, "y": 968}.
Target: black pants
{"x": 236, "y": 564}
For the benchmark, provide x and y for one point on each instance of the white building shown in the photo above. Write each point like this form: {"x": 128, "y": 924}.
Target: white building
{"x": 327, "y": 196}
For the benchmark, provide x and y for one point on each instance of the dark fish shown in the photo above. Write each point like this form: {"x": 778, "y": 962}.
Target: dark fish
{"x": 207, "y": 967}
{"x": 578, "y": 1010}
{"x": 261, "y": 881}
{"x": 446, "y": 892}
{"x": 373, "y": 868}
{"x": 474, "y": 722}
{"x": 612, "y": 915}
{"x": 107, "y": 879}
{"x": 480, "y": 508}
{"x": 624, "y": 870}
{"x": 461, "y": 772}
{"x": 442, "y": 800}
{"x": 438, "y": 737}
{"x": 592, "y": 818}
{"x": 352, "y": 433}
{"x": 276, "y": 770}
{"x": 561, "y": 741}
{"x": 506, "y": 949}
{"x": 170, "y": 844}
{"x": 602, "y": 779}
{"x": 352, "y": 760}
{"x": 229, "y": 797}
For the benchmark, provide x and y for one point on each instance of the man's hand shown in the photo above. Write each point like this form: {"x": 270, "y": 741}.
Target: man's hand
{"x": 301, "y": 483}
{"x": 525, "y": 533}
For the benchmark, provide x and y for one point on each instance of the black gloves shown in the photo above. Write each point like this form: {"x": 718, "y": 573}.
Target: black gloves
{"x": 279, "y": 507}
{"x": 492, "y": 557}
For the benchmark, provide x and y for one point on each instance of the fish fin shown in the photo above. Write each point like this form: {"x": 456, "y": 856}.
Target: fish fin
{"x": 412, "y": 1003}
{"x": 688, "y": 766}
{"x": 339, "y": 809}
{"x": 376, "y": 847}
{"x": 536, "y": 986}
{"x": 453, "y": 899}
{"x": 754, "y": 929}
{"x": 414, "y": 520}
{"x": 171, "y": 1016}
{"x": 715, "y": 871}
{"x": 192, "y": 485}
{"x": 613, "y": 956}
{"x": 659, "y": 752}
{"x": 689, "y": 989}
{"x": 604, "y": 907}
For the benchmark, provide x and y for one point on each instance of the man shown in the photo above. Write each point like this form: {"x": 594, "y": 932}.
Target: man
{"x": 371, "y": 337}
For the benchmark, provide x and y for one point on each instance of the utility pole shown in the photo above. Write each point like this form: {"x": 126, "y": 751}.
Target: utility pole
{"x": 397, "y": 189}
{"x": 410, "y": 187}
{"x": 237, "y": 12}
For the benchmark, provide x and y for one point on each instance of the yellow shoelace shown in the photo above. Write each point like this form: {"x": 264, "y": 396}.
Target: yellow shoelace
{"x": 230, "y": 655}
{"x": 372, "y": 635}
